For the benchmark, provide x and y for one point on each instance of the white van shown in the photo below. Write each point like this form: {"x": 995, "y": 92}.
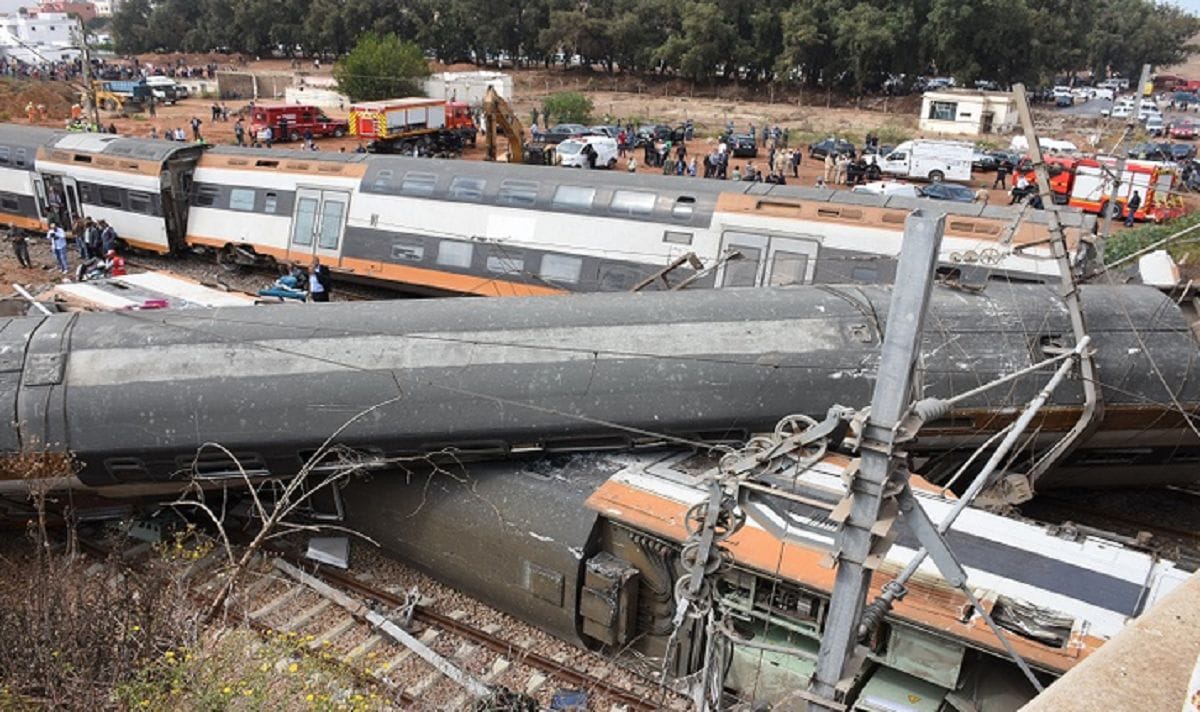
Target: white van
{"x": 166, "y": 89}
{"x": 587, "y": 152}
{"x": 930, "y": 160}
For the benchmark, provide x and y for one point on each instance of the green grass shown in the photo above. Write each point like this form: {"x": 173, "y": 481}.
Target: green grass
{"x": 1127, "y": 242}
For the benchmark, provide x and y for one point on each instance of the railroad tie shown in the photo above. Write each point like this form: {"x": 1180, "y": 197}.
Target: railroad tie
{"x": 498, "y": 668}
{"x": 135, "y": 551}
{"x": 536, "y": 680}
{"x": 276, "y": 603}
{"x": 305, "y": 617}
{"x": 427, "y": 637}
{"x": 264, "y": 580}
{"x": 208, "y": 561}
{"x": 345, "y": 624}
{"x": 363, "y": 648}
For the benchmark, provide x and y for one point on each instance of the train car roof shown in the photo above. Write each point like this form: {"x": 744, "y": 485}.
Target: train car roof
{"x": 674, "y": 185}
{"x": 119, "y": 146}
{"x": 19, "y": 134}
{"x": 290, "y": 154}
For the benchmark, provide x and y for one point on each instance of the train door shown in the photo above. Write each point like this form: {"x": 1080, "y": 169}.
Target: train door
{"x": 54, "y": 200}
{"x": 791, "y": 261}
{"x": 318, "y": 224}
{"x": 743, "y": 254}
{"x": 755, "y": 259}
{"x": 71, "y": 192}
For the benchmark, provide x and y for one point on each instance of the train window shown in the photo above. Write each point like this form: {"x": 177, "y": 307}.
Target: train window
{"x": 868, "y": 275}
{"x": 502, "y": 261}
{"x": 415, "y": 183}
{"x": 518, "y": 192}
{"x": 684, "y": 208}
{"x": 82, "y": 158}
{"x": 383, "y": 179}
{"x": 574, "y": 197}
{"x": 455, "y": 254}
{"x": 271, "y": 203}
{"x": 677, "y": 238}
{"x": 206, "y": 195}
{"x": 618, "y": 278}
{"x": 561, "y": 268}
{"x": 408, "y": 249}
{"x": 632, "y": 202}
{"x": 9, "y": 202}
{"x": 140, "y": 203}
{"x": 743, "y": 271}
{"x": 332, "y": 216}
{"x": 110, "y": 197}
{"x": 4, "y": 156}
{"x": 788, "y": 268}
{"x": 467, "y": 187}
{"x": 20, "y": 157}
{"x": 241, "y": 199}
{"x": 263, "y": 163}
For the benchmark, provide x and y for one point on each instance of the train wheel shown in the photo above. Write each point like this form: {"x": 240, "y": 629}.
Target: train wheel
{"x": 227, "y": 259}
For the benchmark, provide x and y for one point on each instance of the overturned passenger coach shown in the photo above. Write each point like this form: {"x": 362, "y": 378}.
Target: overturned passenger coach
{"x": 131, "y": 396}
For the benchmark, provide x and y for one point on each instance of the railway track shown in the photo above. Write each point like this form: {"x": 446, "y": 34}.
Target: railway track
{"x": 1170, "y": 516}
{"x": 518, "y": 669}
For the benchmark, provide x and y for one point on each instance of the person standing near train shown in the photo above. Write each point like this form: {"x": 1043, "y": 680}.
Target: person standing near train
{"x": 58, "y": 244}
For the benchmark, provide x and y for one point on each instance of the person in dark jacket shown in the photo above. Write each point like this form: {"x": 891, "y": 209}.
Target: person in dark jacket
{"x": 1131, "y": 207}
{"x": 318, "y": 281}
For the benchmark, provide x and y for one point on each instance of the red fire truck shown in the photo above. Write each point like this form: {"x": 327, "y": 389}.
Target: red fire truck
{"x": 1092, "y": 192}
{"x": 288, "y": 122}
{"x": 418, "y": 125}
{"x": 1061, "y": 170}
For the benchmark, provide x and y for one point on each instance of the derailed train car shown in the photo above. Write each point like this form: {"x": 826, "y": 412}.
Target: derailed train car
{"x": 589, "y": 546}
{"x": 131, "y": 396}
{"x": 467, "y": 227}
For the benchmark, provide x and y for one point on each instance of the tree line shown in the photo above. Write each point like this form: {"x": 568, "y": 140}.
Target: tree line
{"x": 850, "y": 43}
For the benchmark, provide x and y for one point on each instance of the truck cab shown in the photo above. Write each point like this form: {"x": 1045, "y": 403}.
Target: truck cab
{"x": 165, "y": 89}
{"x": 289, "y": 122}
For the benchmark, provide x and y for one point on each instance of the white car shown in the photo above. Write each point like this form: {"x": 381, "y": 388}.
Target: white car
{"x": 1155, "y": 125}
{"x": 587, "y": 152}
{"x": 888, "y": 188}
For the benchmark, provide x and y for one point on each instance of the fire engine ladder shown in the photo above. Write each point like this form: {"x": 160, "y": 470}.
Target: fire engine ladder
{"x": 500, "y": 114}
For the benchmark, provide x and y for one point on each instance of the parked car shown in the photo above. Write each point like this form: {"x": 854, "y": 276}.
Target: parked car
{"x": 888, "y": 188}
{"x": 948, "y": 191}
{"x": 562, "y": 132}
{"x": 742, "y": 146}
{"x": 1182, "y": 152}
{"x": 1184, "y": 130}
{"x": 836, "y": 146}
{"x": 587, "y": 152}
{"x": 1012, "y": 157}
{"x": 1155, "y": 126}
{"x": 648, "y": 133}
{"x": 606, "y": 130}
{"x": 982, "y": 160}
{"x": 1150, "y": 152}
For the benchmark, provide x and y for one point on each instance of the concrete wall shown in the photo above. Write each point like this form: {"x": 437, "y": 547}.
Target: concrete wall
{"x": 468, "y": 86}
{"x": 324, "y": 98}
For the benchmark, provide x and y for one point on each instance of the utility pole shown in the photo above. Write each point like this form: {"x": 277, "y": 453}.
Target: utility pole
{"x": 1093, "y": 405}
{"x": 86, "y": 54}
{"x": 872, "y": 490}
{"x": 1120, "y": 167}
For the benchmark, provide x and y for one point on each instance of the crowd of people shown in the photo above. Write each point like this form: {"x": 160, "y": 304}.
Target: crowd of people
{"x": 95, "y": 243}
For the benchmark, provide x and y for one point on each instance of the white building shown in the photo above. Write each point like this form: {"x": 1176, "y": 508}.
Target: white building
{"x": 106, "y": 8}
{"x": 468, "y": 86}
{"x": 46, "y": 37}
{"x": 967, "y": 112}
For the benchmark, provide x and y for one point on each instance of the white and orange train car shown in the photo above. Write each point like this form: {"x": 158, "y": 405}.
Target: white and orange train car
{"x": 466, "y": 227}
{"x": 589, "y": 547}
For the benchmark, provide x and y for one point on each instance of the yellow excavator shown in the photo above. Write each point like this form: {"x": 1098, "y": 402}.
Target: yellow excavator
{"x": 499, "y": 115}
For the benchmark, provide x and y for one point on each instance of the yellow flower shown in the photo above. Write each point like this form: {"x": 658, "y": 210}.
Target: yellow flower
{"x": 309, "y": 697}
{"x": 228, "y": 690}
{"x": 293, "y": 667}
{"x": 136, "y": 628}
{"x": 248, "y": 691}
{"x": 264, "y": 667}
{"x": 145, "y": 703}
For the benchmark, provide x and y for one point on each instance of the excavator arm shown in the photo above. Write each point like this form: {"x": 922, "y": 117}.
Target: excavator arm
{"x": 500, "y": 116}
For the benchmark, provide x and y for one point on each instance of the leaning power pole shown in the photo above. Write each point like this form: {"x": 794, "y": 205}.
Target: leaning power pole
{"x": 1119, "y": 169}
{"x": 90, "y": 88}
{"x": 870, "y": 496}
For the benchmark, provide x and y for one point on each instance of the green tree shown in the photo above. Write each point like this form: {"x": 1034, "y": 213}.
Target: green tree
{"x": 702, "y": 45}
{"x": 868, "y": 36}
{"x": 131, "y": 27}
{"x": 567, "y": 107}
{"x": 380, "y": 67}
